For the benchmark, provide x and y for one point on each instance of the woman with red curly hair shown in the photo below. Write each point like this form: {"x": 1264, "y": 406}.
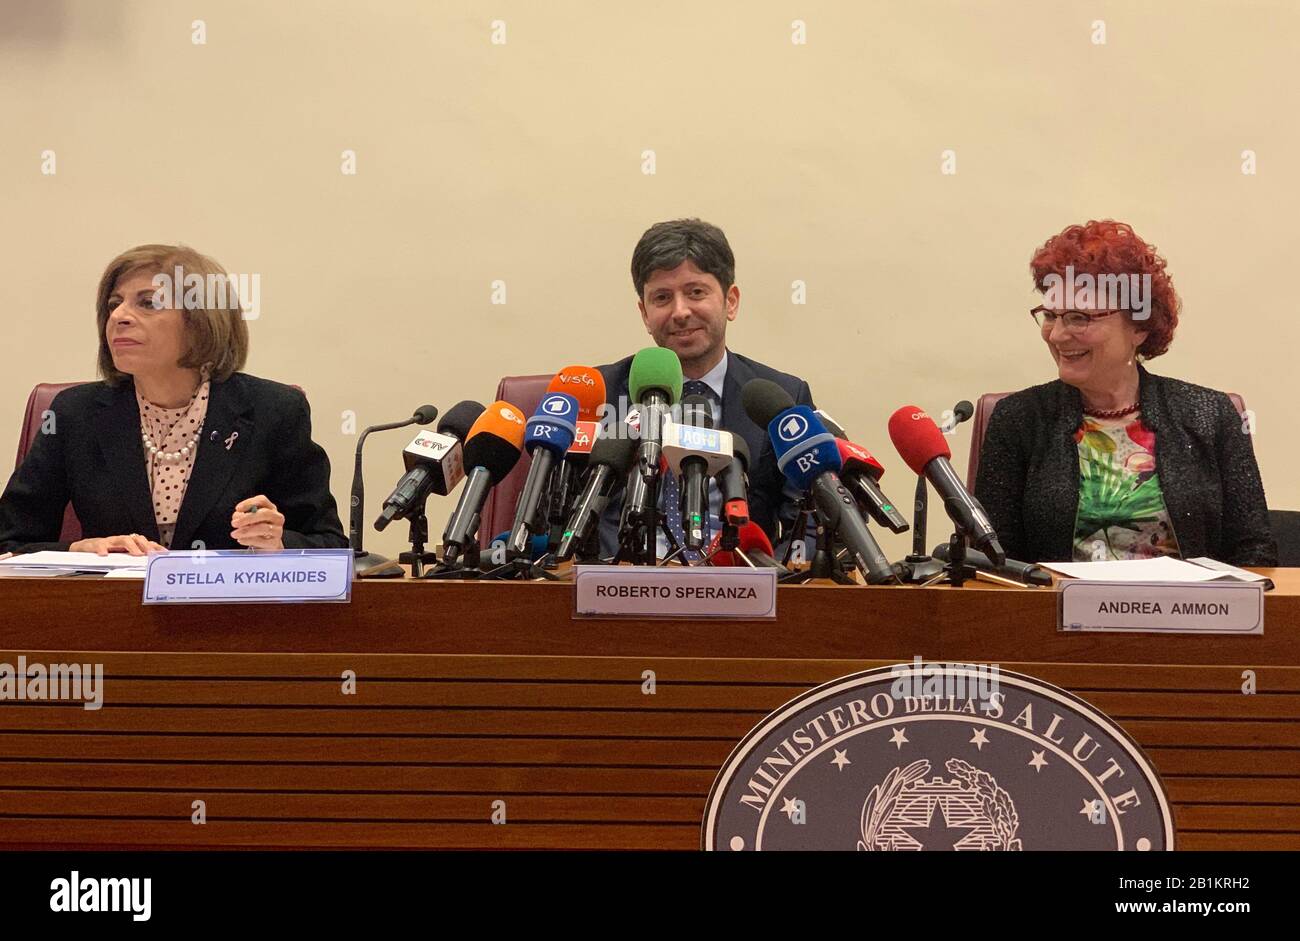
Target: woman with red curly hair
{"x": 1108, "y": 461}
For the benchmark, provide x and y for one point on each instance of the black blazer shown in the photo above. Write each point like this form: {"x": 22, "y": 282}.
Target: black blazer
{"x": 94, "y": 458}
{"x": 768, "y": 505}
{"x": 1028, "y": 475}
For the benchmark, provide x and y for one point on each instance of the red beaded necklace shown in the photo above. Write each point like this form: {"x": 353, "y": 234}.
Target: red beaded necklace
{"x": 1113, "y": 413}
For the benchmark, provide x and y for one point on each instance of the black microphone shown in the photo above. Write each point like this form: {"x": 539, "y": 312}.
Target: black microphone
{"x": 422, "y": 416}
{"x": 807, "y": 454}
{"x": 611, "y": 458}
{"x": 491, "y": 451}
{"x": 923, "y": 448}
{"x": 1025, "y": 572}
{"x": 734, "y": 485}
{"x": 433, "y": 464}
{"x": 696, "y": 413}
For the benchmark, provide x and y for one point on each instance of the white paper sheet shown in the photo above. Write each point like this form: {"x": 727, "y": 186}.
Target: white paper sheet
{"x": 1160, "y": 569}
{"x": 78, "y": 561}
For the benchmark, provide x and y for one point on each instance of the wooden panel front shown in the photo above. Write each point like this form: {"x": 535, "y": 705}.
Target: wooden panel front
{"x": 471, "y": 694}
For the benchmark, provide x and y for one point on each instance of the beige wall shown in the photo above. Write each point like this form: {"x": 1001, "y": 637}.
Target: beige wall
{"x": 522, "y": 162}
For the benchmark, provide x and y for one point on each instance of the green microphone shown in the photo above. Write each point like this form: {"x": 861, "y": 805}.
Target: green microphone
{"x": 655, "y": 385}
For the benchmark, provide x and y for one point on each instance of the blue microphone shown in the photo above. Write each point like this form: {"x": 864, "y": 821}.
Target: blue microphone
{"x": 537, "y": 545}
{"x": 810, "y": 459}
{"x": 547, "y": 435}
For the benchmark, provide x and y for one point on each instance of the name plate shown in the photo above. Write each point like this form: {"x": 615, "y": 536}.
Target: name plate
{"x": 644, "y": 592}
{"x": 239, "y": 575}
{"x": 1162, "y": 607}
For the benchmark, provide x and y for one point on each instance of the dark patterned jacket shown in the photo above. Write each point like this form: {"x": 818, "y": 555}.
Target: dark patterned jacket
{"x": 1028, "y": 476}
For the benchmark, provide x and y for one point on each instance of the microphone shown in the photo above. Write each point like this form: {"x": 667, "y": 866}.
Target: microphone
{"x": 961, "y": 412}
{"x": 547, "y": 436}
{"x": 433, "y": 464}
{"x": 753, "y": 542}
{"x": 733, "y": 484}
{"x": 922, "y": 446}
{"x": 422, "y": 416}
{"x": 1025, "y": 572}
{"x": 610, "y": 459}
{"x": 587, "y": 385}
{"x": 654, "y": 382}
{"x": 695, "y": 452}
{"x": 860, "y": 473}
{"x": 491, "y": 451}
{"x": 808, "y": 456}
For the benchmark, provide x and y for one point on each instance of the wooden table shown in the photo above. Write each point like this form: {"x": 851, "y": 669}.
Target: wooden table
{"x": 468, "y": 694}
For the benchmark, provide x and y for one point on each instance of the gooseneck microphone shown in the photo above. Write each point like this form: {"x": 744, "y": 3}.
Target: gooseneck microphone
{"x": 923, "y": 448}
{"x": 422, "y": 416}
{"x": 807, "y": 455}
{"x": 491, "y": 452}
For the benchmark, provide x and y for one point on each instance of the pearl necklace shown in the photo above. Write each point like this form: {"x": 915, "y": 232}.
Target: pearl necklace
{"x": 155, "y": 451}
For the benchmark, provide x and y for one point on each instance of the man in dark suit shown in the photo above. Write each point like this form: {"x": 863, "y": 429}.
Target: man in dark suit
{"x": 684, "y": 275}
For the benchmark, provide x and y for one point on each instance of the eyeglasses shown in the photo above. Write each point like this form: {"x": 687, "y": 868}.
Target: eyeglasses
{"x": 1076, "y": 321}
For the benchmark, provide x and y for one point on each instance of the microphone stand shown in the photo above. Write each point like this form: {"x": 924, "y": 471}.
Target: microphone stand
{"x": 639, "y": 544}
{"x": 825, "y": 563}
{"x": 369, "y": 564}
{"x": 417, "y": 558}
{"x": 919, "y": 567}
{"x": 729, "y": 541}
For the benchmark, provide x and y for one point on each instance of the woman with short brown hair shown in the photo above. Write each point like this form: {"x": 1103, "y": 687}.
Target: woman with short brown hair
{"x": 175, "y": 448}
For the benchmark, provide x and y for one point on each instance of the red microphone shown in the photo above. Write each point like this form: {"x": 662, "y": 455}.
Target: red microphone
{"x": 753, "y": 542}
{"x": 925, "y": 450}
{"x": 860, "y": 473}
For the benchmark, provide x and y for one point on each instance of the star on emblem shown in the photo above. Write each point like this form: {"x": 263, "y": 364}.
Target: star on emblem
{"x": 841, "y": 759}
{"x": 899, "y": 738}
{"x": 978, "y": 739}
{"x": 1038, "y": 761}
{"x": 789, "y": 808}
{"x": 1090, "y": 807}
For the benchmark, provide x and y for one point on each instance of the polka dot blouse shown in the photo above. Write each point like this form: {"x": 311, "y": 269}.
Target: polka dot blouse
{"x": 171, "y": 430}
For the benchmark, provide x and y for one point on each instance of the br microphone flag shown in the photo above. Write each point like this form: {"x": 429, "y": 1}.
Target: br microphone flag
{"x": 586, "y": 385}
{"x": 803, "y": 446}
{"x": 554, "y": 424}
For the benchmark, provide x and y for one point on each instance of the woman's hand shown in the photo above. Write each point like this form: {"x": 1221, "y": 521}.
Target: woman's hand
{"x": 133, "y": 544}
{"x": 257, "y": 524}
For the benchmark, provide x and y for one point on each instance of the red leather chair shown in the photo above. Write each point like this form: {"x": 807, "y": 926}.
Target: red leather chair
{"x": 524, "y": 393}
{"x": 37, "y": 404}
{"x": 984, "y": 411}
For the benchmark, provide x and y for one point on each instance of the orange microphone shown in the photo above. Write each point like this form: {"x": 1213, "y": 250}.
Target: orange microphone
{"x": 586, "y": 385}
{"x": 491, "y": 451}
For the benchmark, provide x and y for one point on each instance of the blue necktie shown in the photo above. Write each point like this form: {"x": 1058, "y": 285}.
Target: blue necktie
{"x": 672, "y": 492}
